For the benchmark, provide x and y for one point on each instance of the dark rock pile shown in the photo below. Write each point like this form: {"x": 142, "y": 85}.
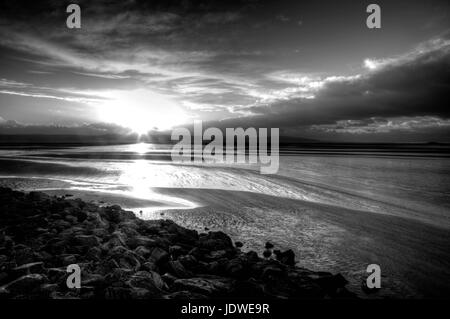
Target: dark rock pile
{"x": 122, "y": 256}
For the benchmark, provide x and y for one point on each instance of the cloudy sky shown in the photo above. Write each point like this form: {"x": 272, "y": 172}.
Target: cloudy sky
{"x": 313, "y": 69}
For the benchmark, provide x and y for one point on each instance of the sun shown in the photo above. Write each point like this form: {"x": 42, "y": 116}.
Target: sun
{"x": 370, "y": 64}
{"x": 141, "y": 110}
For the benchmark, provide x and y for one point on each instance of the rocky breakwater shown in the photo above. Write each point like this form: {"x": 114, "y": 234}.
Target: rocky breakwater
{"x": 122, "y": 256}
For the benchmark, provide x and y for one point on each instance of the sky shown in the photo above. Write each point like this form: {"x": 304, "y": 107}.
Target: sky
{"x": 311, "y": 68}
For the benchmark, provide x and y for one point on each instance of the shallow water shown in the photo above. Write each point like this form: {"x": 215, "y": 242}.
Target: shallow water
{"x": 339, "y": 210}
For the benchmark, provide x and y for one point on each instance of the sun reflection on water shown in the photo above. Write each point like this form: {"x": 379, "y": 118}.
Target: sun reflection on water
{"x": 140, "y": 148}
{"x": 142, "y": 176}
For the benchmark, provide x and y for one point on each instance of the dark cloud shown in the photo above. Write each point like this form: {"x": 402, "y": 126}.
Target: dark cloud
{"x": 416, "y": 86}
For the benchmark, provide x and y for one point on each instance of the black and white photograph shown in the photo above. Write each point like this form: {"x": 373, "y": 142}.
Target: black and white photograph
{"x": 200, "y": 150}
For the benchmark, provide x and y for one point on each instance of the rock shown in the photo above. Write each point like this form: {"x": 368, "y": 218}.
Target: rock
{"x": 134, "y": 242}
{"x": 117, "y": 239}
{"x": 215, "y": 241}
{"x": 251, "y": 256}
{"x": 185, "y": 295}
{"x": 251, "y": 287}
{"x": 217, "y": 254}
{"x": 86, "y": 240}
{"x": 236, "y": 268}
{"x": 238, "y": 244}
{"x": 141, "y": 293}
{"x": 96, "y": 220}
{"x": 3, "y": 277}
{"x": 158, "y": 255}
{"x": 56, "y": 274}
{"x": 169, "y": 278}
{"x": 130, "y": 228}
{"x": 272, "y": 272}
{"x": 8, "y": 243}
{"x": 125, "y": 258}
{"x": 287, "y": 257}
{"x": 188, "y": 261}
{"x": 214, "y": 267}
{"x": 206, "y": 286}
{"x": 268, "y": 245}
{"x": 118, "y": 293}
{"x": 118, "y": 275}
{"x": 115, "y": 214}
{"x": 142, "y": 251}
{"x": 94, "y": 254}
{"x": 31, "y": 268}
{"x": 38, "y": 196}
{"x": 176, "y": 251}
{"x": 71, "y": 219}
{"x": 65, "y": 296}
{"x": 48, "y": 289}
{"x": 93, "y": 280}
{"x": 267, "y": 253}
{"x": 55, "y": 246}
{"x": 149, "y": 266}
{"x": 69, "y": 259}
{"x": 99, "y": 232}
{"x": 177, "y": 269}
{"x": 26, "y": 284}
{"x": 180, "y": 234}
{"x": 60, "y": 225}
{"x": 24, "y": 255}
{"x": 199, "y": 253}
{"x": 332, "y": 283}
{"x": 81, "y": 216}
{"x": 151, "y": 281}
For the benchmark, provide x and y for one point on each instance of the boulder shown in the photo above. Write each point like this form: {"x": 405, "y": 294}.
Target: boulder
{"x": 158, "y": 255}
{"x": 215, "y": 241}
{"x": 184, "y": 295}
{"x": 24, "y": 255}
{"x": 332, "y": 283}
{"x": 30, "y": 268}
{"x": 86, "y": 240}
{"x": 214, "y": 286}
{"x": 188, "y": 261}
{"x": 71, "y": 219}
{"x": 143, "y": 251}
{"x": 149, "y": 280}
{"x": 238, "y": 244}
{"x": 26, "y": 284}
{"x": 176, "y": 268}
{"x": 136, "y": 241}
{"x": 287, "y": 257}
{"x": 126, "y": 258}
{"x": 115, "y": 214}
{"x": 118, "y": 293}
{"x": 48, "y": 289}
{"x": 69, "y": 259}
{"x": 149, "y": 266}
{"x": 93, "y": 280}
{"x": 267, "y": 253}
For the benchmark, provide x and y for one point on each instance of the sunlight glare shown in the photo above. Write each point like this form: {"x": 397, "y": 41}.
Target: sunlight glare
{"x": 141, "y": 110}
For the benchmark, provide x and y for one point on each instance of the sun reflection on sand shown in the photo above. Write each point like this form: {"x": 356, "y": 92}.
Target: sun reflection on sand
{"x": 141, "y": 177}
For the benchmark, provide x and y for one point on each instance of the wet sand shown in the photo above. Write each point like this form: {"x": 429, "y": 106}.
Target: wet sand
{"x": 414, "y": 257}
